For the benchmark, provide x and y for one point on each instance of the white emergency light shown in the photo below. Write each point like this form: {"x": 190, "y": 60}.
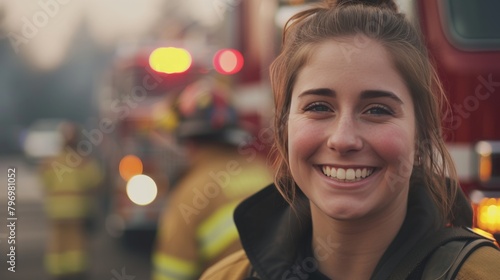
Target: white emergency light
{"x": 141, "y": 189}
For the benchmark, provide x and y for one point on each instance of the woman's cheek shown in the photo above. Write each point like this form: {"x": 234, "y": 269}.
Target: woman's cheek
{"x": 395, "y": 145}
{"x": 303, "y": 132}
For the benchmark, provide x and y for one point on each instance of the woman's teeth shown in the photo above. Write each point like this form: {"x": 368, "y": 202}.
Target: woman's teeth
{"x": 349, "y": 174}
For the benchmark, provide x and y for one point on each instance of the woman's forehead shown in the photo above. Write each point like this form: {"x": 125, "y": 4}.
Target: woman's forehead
{"x": 340, "y": 63}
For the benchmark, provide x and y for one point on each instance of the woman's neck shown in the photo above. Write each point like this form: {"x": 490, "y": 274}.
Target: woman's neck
{"x": 352, "y": 249}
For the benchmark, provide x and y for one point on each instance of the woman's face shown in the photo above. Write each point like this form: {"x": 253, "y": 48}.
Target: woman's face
{"x": 351, "y": 130}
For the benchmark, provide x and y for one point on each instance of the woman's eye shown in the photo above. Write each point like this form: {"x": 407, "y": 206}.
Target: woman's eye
{"x": 318, "y": 107}
{"x": 379, "y": 110}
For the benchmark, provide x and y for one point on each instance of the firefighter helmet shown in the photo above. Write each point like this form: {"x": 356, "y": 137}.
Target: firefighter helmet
{"x": 205, "y": 113}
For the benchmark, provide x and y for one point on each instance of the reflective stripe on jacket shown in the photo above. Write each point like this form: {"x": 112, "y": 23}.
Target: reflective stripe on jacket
{"x": 172, "y": 268}
{"x": 65, "y": 263}
{"x": 68, "y": 189}
{"x": 217, "y": 232}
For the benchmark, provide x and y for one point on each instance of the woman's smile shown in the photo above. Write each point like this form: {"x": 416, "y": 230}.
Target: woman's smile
{"x": 342, "y": 174}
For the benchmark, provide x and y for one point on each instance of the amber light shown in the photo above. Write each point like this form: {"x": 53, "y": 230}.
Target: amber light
{"x": 130, "y": 166}
{"x": 484, "y": 149}
{"x": 485, "y": 168}
{"x": 488, "y": 215}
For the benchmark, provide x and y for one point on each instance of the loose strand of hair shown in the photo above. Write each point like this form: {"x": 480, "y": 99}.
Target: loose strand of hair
{"x": 296, "y": 19}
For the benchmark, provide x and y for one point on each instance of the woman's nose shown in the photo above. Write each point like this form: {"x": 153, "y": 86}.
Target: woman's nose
{"x": 345, "y": 136}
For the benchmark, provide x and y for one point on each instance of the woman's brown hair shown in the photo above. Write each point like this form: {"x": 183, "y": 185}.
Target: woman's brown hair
{"x": 378, "y": 20}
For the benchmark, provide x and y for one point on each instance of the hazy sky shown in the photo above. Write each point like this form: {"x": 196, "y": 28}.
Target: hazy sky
{"x": 43, "y": 30}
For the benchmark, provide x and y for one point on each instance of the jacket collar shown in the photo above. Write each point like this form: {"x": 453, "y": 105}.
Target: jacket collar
{"x": 270, "y": 231}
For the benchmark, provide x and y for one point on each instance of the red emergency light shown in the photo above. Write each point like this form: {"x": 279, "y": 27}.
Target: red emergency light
{"x": 228, "y": 61}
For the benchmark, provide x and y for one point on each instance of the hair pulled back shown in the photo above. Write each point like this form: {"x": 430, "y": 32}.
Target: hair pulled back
{"x": 379, "y": 3}
{"x": 378, "y": 20}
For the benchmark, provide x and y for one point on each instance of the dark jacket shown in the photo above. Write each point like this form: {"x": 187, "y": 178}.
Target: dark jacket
{"x": 277, "y": 240}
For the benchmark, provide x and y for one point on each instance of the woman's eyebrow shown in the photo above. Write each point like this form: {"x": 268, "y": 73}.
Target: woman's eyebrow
{"x": 365, "y": 94}
{"x": 318, "y": 91}
{"x": 368, "y": 94}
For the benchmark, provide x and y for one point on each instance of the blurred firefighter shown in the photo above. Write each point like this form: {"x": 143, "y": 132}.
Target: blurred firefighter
{"x": 196, "y": 228}
{"x": 70, "y": 180}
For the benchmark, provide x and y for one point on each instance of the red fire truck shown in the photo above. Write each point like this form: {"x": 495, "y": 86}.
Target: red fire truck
{"x": 464, "y": 40}
{"x": 142, "y": 155}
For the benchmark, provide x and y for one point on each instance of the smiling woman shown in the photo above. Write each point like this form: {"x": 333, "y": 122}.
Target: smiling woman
{"x": 364, "y": 186}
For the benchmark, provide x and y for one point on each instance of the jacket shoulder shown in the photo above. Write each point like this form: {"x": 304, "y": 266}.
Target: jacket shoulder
{"x": 484, "y": 263}
{"x": 235, "y": 266}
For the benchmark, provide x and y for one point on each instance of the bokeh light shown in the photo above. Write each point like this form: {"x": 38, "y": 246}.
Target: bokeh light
{"x": 130, "y": 165}
{"x": 141, "y": 189}
{"x": 170, "y": 60}
{"x": 228, "y": 61}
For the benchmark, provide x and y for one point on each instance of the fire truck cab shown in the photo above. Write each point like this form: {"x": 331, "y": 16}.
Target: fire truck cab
{"x": 463, "y": 38}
